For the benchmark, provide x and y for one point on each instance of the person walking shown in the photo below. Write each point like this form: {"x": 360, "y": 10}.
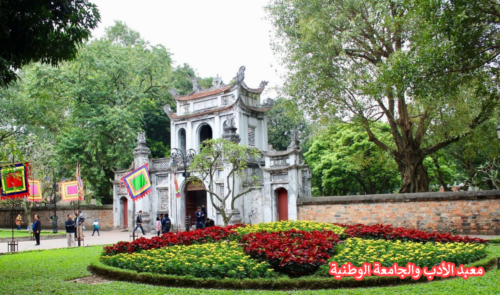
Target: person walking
{"x": 70, "y": 225}
{"x": 37, "y": 228}
{"x": 79, "y": 223}
{"x": 158, "y": 225}
{"x": 19, "y": 221}
{"x": 138, "y": 223}
{"x": 96, "y": 227}
{"x": 200, "y": 218}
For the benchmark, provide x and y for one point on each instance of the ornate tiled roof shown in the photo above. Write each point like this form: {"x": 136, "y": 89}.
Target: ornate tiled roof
{"x": 198, "y": 95}
{"x": 176, "y": 117}
{"x": 172, "y": 115}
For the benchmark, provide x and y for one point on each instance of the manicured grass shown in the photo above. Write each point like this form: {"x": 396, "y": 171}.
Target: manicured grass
{"x": 24, "y": 233}
{"x": 43, "y": 272}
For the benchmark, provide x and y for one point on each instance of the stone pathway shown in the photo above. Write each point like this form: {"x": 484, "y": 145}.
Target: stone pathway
{"x": 106, "y": 238}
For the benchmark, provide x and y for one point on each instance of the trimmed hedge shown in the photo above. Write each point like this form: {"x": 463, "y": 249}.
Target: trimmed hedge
{"x": 281, "y": 283}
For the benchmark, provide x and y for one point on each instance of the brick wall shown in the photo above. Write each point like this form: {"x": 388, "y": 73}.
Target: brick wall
{"x": 104, "y": 215}
{"x": 476, "y": 212}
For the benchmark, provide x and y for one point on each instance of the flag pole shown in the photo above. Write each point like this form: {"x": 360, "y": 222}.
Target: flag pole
{"x": 133, "y": 214}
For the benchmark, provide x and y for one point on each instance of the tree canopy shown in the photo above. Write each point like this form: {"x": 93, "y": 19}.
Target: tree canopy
{"x": 284, "y": 117}
{"x": 427, "y": 68}
{"x": 42, "y": 31}
{"x": 91, "y": 108}
{"x": 344, "y": 162}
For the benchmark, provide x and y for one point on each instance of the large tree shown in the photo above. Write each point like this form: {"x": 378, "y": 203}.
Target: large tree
{"x": 43, "y": 30}
{"x": 93, "y": 106}
{"x": 114, "y": 90}
{"x": 427, "y": 68}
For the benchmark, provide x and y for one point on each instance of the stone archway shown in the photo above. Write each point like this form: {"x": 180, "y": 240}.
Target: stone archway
{"x": 182, "y": 140}
{"x": 195, "y": 196}
{"x": 205, "y": 133}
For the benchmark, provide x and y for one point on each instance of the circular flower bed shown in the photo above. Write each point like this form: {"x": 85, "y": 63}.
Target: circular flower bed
{"x": 287, "y": 249}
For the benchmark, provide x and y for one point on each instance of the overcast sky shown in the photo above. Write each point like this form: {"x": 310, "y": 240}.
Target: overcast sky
{"x": 213, "y": 36}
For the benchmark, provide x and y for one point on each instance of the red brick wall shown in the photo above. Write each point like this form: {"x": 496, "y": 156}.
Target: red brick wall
{"x": 104, "y": 215}
{"x": 463, "y": 212}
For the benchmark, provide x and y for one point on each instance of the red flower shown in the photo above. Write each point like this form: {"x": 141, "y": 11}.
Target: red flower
{"x": 293, "y": 252}
{"x": 387, "y": 232}
{"x": 211, "y": 234}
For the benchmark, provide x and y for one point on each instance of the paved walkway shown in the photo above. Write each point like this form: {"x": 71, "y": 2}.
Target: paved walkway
{"x": 106, "y": 237}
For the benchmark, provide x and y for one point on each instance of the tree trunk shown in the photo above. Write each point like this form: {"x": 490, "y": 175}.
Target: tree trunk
{"x": 440, "y": 176}
{"x": 414, "y": 175}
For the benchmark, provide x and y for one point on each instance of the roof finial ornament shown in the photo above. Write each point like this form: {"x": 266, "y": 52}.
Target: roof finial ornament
{"x": 240, "y": 76}
{"x": 295, "y": 138}
{"x": 217, "y": 82}
{"x": 196, "y": 86}
{"x": 141, "y": 137}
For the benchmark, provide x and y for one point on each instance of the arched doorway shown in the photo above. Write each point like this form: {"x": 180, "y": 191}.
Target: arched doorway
{"x": 182, "y": 140}
{"x": 282, "y": 195}
{"x": 195, "y": 196}
{"x": 124, "y": 212}
{"x": 205, "y": 133}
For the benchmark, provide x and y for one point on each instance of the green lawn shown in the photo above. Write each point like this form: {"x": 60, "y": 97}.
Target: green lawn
{"x": 42, "y": 272}
{"x": 4, "y": 233}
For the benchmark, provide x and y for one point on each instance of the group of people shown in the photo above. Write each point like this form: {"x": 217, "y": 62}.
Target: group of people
{"x": 163, "y": 224}
{"x": 74, "y": 227}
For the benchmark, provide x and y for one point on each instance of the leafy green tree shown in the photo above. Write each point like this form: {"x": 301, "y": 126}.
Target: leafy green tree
{"x": 233, "y": 158}
{"x": 93, "y": 106}
{"x": 474, "y": 152}
{"x": 114, "y": 92}
{"x": 344, "y": 162}
{"x": 29, "y": 110}
{"x": 42, "y": 30}
{"x": 121, "y": 34}
{"x": 284, "y": 117}
{"x": 427, "y": 68}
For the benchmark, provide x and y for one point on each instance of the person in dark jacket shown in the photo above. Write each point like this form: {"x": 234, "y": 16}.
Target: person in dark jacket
{"x": 166, "y": 223}
{"x": 138, "y": 223}
{"x": 200, "y": 218}
{"x": 209, "y": 223}
{"x": 37, "y": 228}
{"x": 70, "y": 225}
{"x": 204, "y": 210}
